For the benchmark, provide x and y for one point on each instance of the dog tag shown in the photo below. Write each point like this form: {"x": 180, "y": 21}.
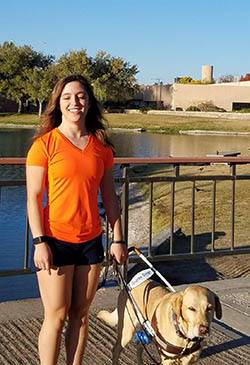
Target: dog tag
{"x": 139, "y": 278}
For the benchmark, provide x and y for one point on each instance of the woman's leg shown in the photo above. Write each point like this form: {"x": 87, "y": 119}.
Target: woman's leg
{"x": 56, "y": 292}
{"x": 84, "y": 288}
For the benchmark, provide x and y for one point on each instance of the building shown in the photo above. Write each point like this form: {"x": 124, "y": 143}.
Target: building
{"x": 229, "y": 96}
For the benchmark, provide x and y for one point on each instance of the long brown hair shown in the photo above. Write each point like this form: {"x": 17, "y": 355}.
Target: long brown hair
{"x": 94, "y": 121}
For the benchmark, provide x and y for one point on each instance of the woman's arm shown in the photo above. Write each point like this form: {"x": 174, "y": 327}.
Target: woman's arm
{"x": 112, "y": 208}
{"x": 35, "y": 176}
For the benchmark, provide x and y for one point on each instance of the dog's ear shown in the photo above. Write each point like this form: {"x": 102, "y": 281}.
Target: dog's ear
{"x": 177, "y": 304}
{"x": 218, "y": 308}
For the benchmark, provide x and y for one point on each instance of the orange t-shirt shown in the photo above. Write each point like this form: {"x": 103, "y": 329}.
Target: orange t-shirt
{"x": 73, "y": 177}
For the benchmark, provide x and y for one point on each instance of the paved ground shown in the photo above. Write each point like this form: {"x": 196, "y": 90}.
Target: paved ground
{"x": 229, "y": 342}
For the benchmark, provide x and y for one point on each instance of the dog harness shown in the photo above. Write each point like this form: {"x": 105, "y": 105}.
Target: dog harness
{"x": 164, "y": 345}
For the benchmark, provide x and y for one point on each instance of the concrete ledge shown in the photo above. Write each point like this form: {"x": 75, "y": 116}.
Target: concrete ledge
{"x": 214, "y": 133}
{"x": 228, "y": 115}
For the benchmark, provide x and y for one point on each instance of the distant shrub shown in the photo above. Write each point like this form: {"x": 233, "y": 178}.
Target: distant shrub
{"x": 189, "y": 80}
{"x": 208, "y": 106}
{"x": 145, "y": 109}
{"x": 245, "y": 78}
{"x": 242, "y": 111}
{"x": 193, "y": 108}
{"x": 185, "y": 80}
{"x": 225, "y": 78}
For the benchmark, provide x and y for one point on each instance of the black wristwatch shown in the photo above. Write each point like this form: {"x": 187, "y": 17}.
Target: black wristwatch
{"x": 40, "y": 239}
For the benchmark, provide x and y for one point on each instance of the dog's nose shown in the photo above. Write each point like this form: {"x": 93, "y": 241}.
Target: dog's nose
{"x": 204, "y": 329}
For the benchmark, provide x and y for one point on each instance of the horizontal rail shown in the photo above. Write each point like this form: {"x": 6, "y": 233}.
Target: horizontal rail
{"x": 188, "y": 256}
{"x": 149, "y": 160}
{"x": 15, "y": 272}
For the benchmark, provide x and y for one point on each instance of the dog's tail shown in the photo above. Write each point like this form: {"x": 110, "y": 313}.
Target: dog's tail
{"x": 111, "y": 318}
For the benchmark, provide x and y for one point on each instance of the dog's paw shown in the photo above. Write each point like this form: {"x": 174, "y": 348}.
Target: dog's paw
{"x": 111, "y": 318}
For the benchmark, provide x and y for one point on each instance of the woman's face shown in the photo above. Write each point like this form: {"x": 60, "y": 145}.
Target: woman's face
{"x": 74, "y": 102}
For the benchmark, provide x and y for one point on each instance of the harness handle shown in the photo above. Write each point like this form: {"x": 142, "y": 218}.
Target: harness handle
{"x": 140, "y": 254}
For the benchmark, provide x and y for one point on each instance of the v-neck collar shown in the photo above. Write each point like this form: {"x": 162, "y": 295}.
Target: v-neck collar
{"x": 72, "y": 144}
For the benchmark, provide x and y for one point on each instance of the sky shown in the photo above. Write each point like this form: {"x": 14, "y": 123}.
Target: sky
{"x": 165, "y": 39}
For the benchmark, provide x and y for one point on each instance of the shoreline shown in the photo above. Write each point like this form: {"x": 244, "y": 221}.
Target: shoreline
{"x": 17, "y": 126}
{"x": 139, "y": 130}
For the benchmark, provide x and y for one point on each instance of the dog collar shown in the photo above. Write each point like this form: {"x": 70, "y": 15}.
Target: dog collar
{"x": 180, "y": 333}
{"x": 164, "y": 346}
{"x": 177, "y": 326}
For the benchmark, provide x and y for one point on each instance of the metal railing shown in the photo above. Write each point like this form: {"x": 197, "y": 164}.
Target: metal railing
{"x": 126, "y": 179}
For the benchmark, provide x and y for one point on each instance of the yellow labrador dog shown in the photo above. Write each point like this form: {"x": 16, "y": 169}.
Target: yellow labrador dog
{"x": 180, "y": 320}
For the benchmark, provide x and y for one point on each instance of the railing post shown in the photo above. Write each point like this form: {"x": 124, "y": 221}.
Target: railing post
{"x": 213, "y": 216}
{"x": 26, "y": 249}
{"x": 177, "y": 172}
{"x": 106, "y": 239}
{"x": 233, "y": 173}
{"x": 193, "y": 219}
{"x": 150, "y": 219}
{"x": 125, "y": 199}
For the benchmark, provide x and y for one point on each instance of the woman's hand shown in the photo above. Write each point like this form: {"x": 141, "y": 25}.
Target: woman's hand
{"x": 119, "y": 252}
{"x": 43, "y": 257}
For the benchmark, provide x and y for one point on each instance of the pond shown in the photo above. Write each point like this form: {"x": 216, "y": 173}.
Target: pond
{"x": 15, "y": 143}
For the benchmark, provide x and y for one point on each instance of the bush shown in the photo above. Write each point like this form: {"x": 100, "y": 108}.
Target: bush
{"x": 242, "y": 111}
{"x": 193, "y": 108}
{"x": 208, "y": 106}
{"x": 145, "y": 109}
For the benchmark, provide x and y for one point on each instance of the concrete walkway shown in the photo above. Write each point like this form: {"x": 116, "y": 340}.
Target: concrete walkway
{"x": 229, "y": 342}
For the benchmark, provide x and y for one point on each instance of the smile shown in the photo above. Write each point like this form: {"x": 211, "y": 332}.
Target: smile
{"x": 74, "y": 110}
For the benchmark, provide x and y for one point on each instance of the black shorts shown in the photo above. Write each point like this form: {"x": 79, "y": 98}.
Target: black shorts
{"x": 85, "y": 253}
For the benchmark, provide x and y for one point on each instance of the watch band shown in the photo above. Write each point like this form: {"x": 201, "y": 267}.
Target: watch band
{"x": 40, "y": 239}
{"x": 118, "y": 241}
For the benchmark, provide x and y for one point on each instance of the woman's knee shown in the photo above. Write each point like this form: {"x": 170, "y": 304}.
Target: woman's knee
{"x": 56, "y": 318}
{"x": 79, "y": 313}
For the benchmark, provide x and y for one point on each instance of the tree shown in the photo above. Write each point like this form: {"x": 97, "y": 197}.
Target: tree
{"x": 40, "y": 84}
{"x": 15, "y": 62}
{"x": 114, "y": 79}
{"x": 188, "y": 80}
{"x": 245, "y": 78}
{"x": 225, "y": 78}
{"x": 28, "y": 75}
{"x": 75, "y": 63}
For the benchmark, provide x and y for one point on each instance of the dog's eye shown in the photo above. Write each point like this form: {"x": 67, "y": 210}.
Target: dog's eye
{"x": 192, "y": 309}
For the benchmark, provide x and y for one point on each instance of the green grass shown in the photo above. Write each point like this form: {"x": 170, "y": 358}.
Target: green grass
{"x": 173, "y": 124}
{"x": 165, "y": 123}
{"x": 19, "y": 119}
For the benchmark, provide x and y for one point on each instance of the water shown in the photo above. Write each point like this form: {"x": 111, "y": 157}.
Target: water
{"x": 162, "y": 145}
{"x": 16, "y": 142}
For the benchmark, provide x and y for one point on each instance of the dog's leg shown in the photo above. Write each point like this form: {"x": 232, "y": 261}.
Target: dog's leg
{"x": 111, "y": 318}
{"x": 139, "y": 352}
{"x": 191, "y": 359}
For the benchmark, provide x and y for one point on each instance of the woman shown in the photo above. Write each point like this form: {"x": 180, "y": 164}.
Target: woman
{"x": 71, "y": 157}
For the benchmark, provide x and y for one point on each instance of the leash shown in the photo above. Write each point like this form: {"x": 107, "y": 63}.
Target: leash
{"x": 145, "y": 324}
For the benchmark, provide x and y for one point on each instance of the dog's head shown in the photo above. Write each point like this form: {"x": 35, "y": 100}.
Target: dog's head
{"x": 195, "y": 308}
